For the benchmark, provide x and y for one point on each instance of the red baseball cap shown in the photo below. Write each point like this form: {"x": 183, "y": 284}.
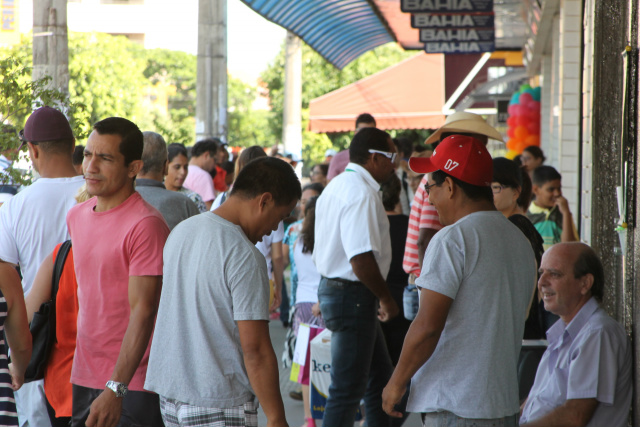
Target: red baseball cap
{"x": 47, "y": 124}
{"x": 460, "y": 156}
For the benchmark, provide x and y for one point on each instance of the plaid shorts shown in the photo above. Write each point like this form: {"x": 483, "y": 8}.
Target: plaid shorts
{"x": 180, "y": 414}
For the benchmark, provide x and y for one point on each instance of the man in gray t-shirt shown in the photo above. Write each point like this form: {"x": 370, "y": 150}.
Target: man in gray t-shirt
{"x": 477, "y": 280}
{"x": 211, "y": 354}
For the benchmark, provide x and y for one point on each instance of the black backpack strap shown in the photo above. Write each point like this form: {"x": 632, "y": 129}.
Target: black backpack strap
{"x": 58, "y": 266}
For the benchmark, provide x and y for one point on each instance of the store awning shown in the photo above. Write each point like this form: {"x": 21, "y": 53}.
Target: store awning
{"x": 408, "y": 95}
{"x": 339, "y": 30}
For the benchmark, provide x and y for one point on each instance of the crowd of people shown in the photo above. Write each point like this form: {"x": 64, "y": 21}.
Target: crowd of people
{"x": 428, "y": 264}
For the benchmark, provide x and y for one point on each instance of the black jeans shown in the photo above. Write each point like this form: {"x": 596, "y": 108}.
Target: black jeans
{"x": 139, "y": 408}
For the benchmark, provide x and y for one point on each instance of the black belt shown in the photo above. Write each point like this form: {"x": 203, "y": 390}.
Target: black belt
{"x": 344, "y": 281}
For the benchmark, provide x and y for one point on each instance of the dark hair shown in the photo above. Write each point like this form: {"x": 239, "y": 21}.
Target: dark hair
{"x": 56, "y": 147}
{"x": 154, "y": 155}
{"x": 323, "y": 167}
{"x": 307, "y": 233}
{"x": 78, "y": 155}
{"x": 228, "y": 167}
{"x": 544, "y": 174}
{"x": 473, "y": 192}
{"x": 536, "y": 152}
{"x": 248, "y": 154}
{"x": 367, "y": 139}
{"x": 176, "y": 149}
{"x": 131, "y": 145}
{"x": 589, "y": 263}
{"x": 507, "y": 173}
{"x": 526, "y": 192}
{"x": 391, "y": 189}
{"x": 209, "y": 145}
{"x": 403, "y": 145}
{"x": 365, "y": 118}
{"x": 314, "y": 186}
{"x": 268, "y": 175}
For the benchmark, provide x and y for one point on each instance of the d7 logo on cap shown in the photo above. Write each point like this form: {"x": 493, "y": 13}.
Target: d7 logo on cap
{"x": 451, "y": 165}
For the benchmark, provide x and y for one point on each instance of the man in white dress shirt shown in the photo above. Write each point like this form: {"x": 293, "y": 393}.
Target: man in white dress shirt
{"x": 353, "y": 254}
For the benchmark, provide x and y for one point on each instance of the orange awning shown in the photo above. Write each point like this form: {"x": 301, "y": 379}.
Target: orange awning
{"x": 408, "y": 95}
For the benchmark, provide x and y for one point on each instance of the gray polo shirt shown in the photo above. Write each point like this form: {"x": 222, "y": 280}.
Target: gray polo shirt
{"x": 173, "y": 206}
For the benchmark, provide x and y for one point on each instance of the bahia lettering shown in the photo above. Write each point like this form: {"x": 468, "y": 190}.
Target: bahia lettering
{"x": 429, "y": 20}
{"x": 446, "y": 6}
{"x": 457, "y": 35}
{"x": 321, "y": 367}
{"x": 458, "y": 47}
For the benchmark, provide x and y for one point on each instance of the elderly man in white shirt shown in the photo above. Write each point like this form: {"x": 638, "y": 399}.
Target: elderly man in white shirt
{"x": 353, "y": 255}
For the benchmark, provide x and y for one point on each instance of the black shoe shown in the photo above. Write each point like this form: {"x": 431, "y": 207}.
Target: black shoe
{"x": 296, "y": 394}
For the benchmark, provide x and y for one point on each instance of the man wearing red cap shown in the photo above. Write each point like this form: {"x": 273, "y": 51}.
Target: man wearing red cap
{"x": 476, "y": 283}
{"x": 32, "y": 223}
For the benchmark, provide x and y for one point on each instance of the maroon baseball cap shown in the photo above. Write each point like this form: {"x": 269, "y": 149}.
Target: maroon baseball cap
{"x": 460, "y": 156}
{"x": 46, "y": 124}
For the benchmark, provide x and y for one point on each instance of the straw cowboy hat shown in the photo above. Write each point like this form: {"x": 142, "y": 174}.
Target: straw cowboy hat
{"x": 461, "y": 121}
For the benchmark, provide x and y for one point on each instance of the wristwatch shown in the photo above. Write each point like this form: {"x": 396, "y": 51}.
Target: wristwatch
{"x": 120, "y": 389}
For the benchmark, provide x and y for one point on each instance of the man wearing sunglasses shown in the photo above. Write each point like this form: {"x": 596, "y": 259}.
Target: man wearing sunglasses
{"x": 476, "y": 283}
{"x": 353, "y": 254}
{"x": 33, "y": 222}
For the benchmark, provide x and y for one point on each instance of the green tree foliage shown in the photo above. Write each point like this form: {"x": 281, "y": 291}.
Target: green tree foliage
{"x": 247, "y": 126}
{"x": 318, "y": 78}
{"x": 18, "y": 96}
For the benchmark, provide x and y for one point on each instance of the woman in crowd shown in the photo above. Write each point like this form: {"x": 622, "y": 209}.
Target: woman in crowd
{"x": 307, "y": 309}
{"x": 319, "y": 174}
{"x": 395, "y": 329}
{"x": 177, "y": 173}
{"x": 531, "y": 158}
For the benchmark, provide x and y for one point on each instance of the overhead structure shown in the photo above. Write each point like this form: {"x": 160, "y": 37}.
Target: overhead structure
{"x": 339, "y": 30}
{"x": 408, "y": 95}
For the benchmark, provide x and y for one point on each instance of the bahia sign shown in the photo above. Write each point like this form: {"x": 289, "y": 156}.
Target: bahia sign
{"x": 446, "y": 6}
{"x": 460, "y": 20}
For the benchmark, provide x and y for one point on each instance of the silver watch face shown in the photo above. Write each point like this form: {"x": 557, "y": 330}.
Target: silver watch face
{"x": 119, "y": 389}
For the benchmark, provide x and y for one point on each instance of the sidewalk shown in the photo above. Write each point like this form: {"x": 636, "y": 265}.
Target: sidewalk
{"x": 293, "y": 408}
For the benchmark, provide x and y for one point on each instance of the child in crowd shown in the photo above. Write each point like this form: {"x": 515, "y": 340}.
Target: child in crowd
{"x": 550, "y": 212}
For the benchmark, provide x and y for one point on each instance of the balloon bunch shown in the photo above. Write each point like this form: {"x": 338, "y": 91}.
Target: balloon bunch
{"x": 523, "y": 124}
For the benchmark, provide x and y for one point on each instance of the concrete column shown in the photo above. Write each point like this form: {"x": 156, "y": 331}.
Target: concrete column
{"x": 211, "y": 85}
{"x": 292, "y": 114}
{"x": 569, "y": 100}
{"x": 50, "y": 43}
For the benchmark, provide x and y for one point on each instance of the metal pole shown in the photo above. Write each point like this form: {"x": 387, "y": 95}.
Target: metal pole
{"x": 292, "y": 114}
{"x": 211, "y": 85}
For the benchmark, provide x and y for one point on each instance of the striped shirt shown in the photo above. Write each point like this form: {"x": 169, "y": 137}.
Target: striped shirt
{"x": 8, "y": 413}
{"x": 423, "y": 215}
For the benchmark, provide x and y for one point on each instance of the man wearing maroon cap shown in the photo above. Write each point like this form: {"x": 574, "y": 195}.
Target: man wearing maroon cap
{"x": 33, "y": 222}
{"x": 476, "y": 283}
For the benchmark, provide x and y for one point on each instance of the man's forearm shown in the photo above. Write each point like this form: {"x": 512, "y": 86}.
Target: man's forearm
{"x": 568, "y": 233}
{"x": 134, "y": 344}
{"x": 367, "y": 271}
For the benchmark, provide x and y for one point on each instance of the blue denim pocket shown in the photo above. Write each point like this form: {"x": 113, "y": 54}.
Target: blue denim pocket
{"x": 410, "y": 302}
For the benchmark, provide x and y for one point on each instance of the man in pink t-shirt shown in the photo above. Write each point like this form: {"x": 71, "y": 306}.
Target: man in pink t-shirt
{"x": 202, "y": 163}
{"x": 118, "y": 240}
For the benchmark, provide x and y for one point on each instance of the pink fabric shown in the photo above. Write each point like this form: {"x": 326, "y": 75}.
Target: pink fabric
{"x": 200, "y": 181}
{"x": 338, "y": 164}
{"x": 423, "y": 215}
{"x": 109, "y": 247}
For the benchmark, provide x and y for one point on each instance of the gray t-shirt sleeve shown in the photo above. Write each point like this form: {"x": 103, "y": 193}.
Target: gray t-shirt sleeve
{"x": 443, "y": 264}
{"x": 249, "y": 286}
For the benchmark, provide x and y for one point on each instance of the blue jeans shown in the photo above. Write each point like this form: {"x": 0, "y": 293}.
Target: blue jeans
{"x": 360, "y": 362}
{"x": 448, "y": 419}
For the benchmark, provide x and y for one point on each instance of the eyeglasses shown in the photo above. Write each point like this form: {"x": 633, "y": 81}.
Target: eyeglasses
{"x": 497, "y": 188}
{"x": 23, "y": 141}
{"x": 390, "y": 156}
{"x": 427, "y": 187}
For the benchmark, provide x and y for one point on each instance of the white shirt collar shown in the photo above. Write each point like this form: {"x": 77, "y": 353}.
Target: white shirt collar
{"x": 371, "y": 182}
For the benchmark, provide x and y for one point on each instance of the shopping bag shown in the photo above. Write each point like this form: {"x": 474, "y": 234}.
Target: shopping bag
{"x": 301, "y": 353}
{"x": 321, "y": 374}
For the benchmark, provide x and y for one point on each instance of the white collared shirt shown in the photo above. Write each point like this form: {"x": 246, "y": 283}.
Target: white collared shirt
{"x": 350, "y": 220}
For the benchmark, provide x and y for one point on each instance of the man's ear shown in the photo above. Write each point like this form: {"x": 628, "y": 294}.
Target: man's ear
{"x": 449, "y": 186}
{"x": 134, "y": 168}
{"x": 586, "y": 282}
{"x": 263, "y": 200}
{"x": 165, "y": 170}
{"x": 34, "y": 151}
